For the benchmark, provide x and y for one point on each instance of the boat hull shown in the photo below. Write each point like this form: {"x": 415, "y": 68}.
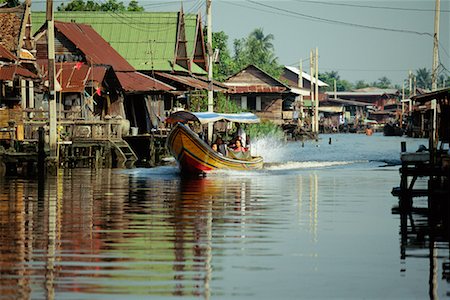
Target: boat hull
{"x": 195, "y": 157}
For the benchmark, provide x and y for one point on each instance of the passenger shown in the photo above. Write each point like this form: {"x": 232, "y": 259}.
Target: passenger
{"x": 241, "y": 134}
{"x": 238, "y": 146}
{"x": 221, "y": 146}
{"x": 215, "y": 148}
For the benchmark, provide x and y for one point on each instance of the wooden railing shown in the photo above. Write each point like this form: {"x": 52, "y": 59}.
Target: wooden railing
{"x": 70, "y": 126}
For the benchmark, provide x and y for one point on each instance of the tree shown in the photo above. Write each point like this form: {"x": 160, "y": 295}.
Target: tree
{"x": 360, "y": 84}
{"x": 225, "y": 65}
{"x": 79, "y": 5}
{"x": 112, "y": 5}
{"x": 257, "y": 49}
{"x": 330, "y": 77}
{"x": 383, "y": 83}
{"x": 109, "y": 5}
{"x": 423, "y": 78}
{"x": 134, "y": 6}
{"x": 10, "y": 3}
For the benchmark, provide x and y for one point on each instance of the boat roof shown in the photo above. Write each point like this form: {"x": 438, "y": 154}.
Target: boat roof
{"x": 211, "y": 117}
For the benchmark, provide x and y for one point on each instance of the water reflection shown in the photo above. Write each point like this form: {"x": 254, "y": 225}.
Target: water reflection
{"x": 109, "y": 234}
{"x": 419, "y": 231}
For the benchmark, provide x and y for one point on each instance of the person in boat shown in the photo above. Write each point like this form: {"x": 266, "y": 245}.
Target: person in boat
{"x": 241, "y": 134}
{"x": 222, "y": 148}
{"x": 216, "y": 149}
{"x": 238, "y": 147}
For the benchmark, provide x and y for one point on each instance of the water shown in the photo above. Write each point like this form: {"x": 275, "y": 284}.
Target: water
{"x": 316, "y": 223}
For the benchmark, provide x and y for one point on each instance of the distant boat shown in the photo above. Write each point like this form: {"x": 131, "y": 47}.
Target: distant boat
{"x": 195, "y": 157}
{"x": 390, "y": 129}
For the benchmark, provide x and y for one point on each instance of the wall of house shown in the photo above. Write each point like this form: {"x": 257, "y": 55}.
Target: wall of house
{"x": 291, "y": 79}
{"x": 271, "y": 105}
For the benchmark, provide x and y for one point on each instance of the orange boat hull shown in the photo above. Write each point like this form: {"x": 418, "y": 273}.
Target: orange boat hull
{"x": 194, "y": 156}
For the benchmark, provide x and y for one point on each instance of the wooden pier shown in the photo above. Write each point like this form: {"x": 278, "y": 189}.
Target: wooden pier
{"x": 81, "y": 143}
{"x": 431, "y": 163}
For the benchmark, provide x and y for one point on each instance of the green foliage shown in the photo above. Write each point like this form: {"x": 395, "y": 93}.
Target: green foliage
{"x": 109, "y": 5}
{"x": 225, "y": 67}
{"x": 223, "y": 105}
{"x": 134, "y": 6}
{"x": 199, "y": 102}
{"x": 382, "y": 83}
{"x": 265, "y": 128}
{"x": 329, "y": 77}
{"x": 257, "y": 49}
{"x": 11, "y": 3}
{"x": 360, "y": 84}
{"x": 423, "y": 78}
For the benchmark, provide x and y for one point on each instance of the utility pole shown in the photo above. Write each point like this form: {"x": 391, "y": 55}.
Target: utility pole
{"x": 434, "y": 71}
{"x": 311, "y": 72}
{"x": 51, "y": 77}
{"x": 335, "y": 89}
{"x": 410, "y": 83}
{"x": 210, "y": 67}
{"x": 316, "y": 92}
{"x": 300, "y": 85}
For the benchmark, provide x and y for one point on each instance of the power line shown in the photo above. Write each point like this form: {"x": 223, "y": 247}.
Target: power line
{"x": 370, "y": 6}
{"x": 320, "y": 19}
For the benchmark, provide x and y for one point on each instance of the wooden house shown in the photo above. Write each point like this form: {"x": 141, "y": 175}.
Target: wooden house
{"x": 95, "y": 80}
{"x": 18, "y": 72}
{"x": 300, "y": 97}
{"x": 168, "y": 46}
{"x": 385, "y": 102}
{"x": 254, "y": 90}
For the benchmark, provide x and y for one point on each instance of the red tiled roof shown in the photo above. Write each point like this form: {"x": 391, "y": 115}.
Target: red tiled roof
{"x": 96, "y": 49}
{"x": 255, "y": 89}
{"x": 6, "y": 55}
{"x": 138, "y": 82}
{"x": 10, "y": 71}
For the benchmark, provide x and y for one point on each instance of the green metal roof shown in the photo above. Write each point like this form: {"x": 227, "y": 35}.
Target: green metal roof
{"x": 145, "y": 39}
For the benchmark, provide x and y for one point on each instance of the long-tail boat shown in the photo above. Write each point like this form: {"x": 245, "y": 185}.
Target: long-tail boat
{"x": 194, "y": 156}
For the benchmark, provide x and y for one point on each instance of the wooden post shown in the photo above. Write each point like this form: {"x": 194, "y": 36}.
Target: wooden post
{"x": 434, "y": 71}
{"x": 41, "y": 151}
{"x": 51, "y": 77}
{"x": 300, "y": 85}
{"x": 210, "y": 67}
{"x": 311, "y": 71}
{"x": 316, "y": 92}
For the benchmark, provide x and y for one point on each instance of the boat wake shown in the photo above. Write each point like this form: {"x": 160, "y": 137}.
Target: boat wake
{"x": 306, "y": 165}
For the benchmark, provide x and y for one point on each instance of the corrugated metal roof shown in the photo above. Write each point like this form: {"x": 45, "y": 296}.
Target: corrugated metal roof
{"x": 96, "y": 49}
{"x": 145, "y": 39}
{"x": 6, "y": 55}
{"x": 256, "y": 89}
{"x": 138, "y": 82}
{"x": 190, "y": 81}
{"x": 73, "y": 77}
{"x": 10, "y": 71}
{"x": 353, "y": 93}
{"x": 305, "y": 75}
{"x": 349, "y": 102}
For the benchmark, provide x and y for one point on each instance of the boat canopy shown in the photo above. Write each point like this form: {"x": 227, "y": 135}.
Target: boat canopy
{"x": 211, "y": 117}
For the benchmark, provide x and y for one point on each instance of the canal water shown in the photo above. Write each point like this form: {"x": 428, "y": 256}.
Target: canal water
{"x": 315, "y": 223}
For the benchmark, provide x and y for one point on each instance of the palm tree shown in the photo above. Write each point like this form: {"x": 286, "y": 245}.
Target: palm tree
{"x": 383, "y": 82}
{"x": 261, "y": 41}
{"x": 423, "y": 77}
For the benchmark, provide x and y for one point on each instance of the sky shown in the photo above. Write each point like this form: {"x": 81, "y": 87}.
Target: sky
{"x": 361, "y": 40}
